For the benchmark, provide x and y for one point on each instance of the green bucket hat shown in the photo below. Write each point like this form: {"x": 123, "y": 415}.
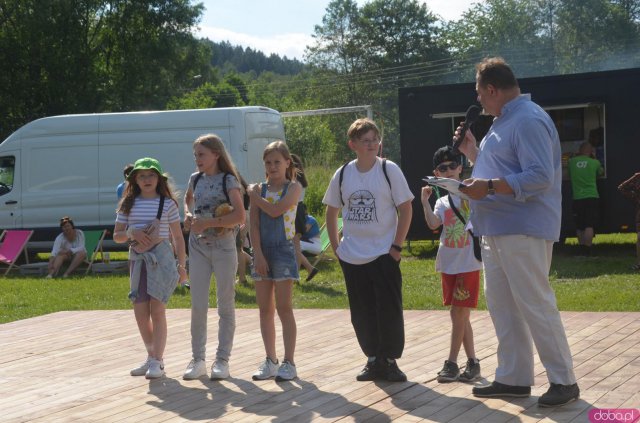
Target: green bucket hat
{"x": 146, "y": 163}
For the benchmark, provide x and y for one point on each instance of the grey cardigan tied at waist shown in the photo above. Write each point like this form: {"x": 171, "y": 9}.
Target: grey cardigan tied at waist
{"x": 162, "y": 273}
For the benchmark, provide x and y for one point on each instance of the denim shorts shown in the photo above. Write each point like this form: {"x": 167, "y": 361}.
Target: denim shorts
{"x": 282, "y": 262}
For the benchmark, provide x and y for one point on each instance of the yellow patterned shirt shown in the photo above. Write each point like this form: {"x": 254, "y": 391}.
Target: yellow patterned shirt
{"x": 289, "y": 216}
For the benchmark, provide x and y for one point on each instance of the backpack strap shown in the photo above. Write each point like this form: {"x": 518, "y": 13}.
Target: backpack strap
{"x": 477, "y": 252}
{"x": 224, "y": 186}
{"x": 340, "y": 177}
{"x": 455, "y": 210}
{"x": 196, "y": 179}
{"x": 160, "y": 207}
{"x": 384, "y": 170}
{"x": 340, "y": 181}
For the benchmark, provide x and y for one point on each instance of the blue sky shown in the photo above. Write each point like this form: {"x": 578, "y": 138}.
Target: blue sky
{"x": 283, "y": 26}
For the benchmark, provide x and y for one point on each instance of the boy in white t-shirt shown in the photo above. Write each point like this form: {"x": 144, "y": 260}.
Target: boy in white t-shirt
{"x": 375, "y": 223}
{"x": 459, "y": 267}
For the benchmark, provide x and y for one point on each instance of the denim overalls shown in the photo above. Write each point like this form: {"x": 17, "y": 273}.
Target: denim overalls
{"x": 277, "y": 249}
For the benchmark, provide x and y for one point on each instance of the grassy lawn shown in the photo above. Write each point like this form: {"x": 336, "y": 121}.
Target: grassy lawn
{"x": 600, "y": 283}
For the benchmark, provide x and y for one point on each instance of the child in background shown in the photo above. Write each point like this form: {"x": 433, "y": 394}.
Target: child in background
{"x": 310, "y": 240}
{"x": 147, "y": 216}
{"x": 212, "y": 250}
{"x": 376, "y": 221}
{"x": 272, "y": 217}
{"x": 301, "y": 218}
{"x": 460, "y": 269}
{"x": 244, "y": 259}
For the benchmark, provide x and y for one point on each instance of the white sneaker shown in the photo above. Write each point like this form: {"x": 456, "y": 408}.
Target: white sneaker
{"x": 266, "y": 370}
{"x": 220, "y": 369}
{"x": 286, "y": 371}
{"x": 156, "y": 369}
{"x": 141, "y": 370}
{"x": 195, "y": 369}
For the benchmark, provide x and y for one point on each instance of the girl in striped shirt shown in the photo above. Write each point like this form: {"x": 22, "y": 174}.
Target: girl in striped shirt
{"x": 148, "y": 219}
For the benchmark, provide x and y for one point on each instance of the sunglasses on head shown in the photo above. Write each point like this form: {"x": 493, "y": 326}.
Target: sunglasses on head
{"x": 443, "y": 167}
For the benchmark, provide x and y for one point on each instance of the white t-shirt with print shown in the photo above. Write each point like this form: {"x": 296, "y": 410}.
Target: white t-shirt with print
{"x": 455, "y": 253}
{"x": 369, "y": 214}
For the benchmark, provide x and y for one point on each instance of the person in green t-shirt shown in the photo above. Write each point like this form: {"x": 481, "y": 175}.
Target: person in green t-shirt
{"x": 583, "y": 171}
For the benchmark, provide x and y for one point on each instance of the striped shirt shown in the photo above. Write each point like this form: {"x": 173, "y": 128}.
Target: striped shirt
{"x": 144, "y": 211}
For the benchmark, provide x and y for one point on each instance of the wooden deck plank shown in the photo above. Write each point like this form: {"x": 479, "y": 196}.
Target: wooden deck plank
{"x": 73, "y": 366}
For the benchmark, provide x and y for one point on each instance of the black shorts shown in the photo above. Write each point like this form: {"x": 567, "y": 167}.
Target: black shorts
{"x": 301, "y": 218}
{"x": 586, "y": 213}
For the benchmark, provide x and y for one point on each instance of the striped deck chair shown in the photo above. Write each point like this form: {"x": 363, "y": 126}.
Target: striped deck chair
{"x": 13, "y": 244}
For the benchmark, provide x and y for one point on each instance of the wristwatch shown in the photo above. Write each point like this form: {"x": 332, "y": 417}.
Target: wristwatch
{"x": 491, "y": 190}
{"x": 396, "y": 247}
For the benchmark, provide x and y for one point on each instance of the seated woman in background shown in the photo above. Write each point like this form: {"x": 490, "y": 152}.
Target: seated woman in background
{"x": 69, "y": 245}
{"x": 310, "y": 240}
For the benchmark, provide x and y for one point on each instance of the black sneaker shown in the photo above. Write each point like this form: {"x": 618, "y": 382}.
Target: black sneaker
{"x": 558, "y": 395}
{"x": 369, "y": 372}
{"x": 471, "y": 372}
{"x": 449, "y": 373}
{"x": 389, "y": 371}
{"x": 497, "y": 389}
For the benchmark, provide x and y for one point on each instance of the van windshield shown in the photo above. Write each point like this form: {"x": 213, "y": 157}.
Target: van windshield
{"x": 7, "y": 168}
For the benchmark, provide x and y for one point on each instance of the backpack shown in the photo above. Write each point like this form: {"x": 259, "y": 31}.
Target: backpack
{"x": 477, "y": 251}
{"x": 245, "y": 196}
{"x": 384, "y": 170}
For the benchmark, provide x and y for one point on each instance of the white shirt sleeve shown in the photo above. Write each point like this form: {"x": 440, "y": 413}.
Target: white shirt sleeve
{"x": 79, "y": 244}
{"x": 57, "y": 244}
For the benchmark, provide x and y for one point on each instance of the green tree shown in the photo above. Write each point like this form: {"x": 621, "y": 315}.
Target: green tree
{"x": 149, "y": 51}
{"x": 596, "y": 35}
{"x": 514, "y": 29}
{"x": 207, "y": 96}
{"x": 399, "y": 32}
{"x": 83, "y": 56}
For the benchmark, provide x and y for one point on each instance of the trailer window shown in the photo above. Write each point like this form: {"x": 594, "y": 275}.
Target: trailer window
{"x": 578, "y": 124}
{"x": 7, "y": 169}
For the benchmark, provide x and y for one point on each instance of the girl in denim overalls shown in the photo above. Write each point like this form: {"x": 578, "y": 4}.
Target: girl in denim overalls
{"x": 272, "y": 219}
{"x": 212, "y": 250}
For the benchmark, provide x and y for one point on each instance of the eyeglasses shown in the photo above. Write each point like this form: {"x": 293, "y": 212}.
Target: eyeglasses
{"x": 374, "y": 141}
{"x": 443, "y": 167}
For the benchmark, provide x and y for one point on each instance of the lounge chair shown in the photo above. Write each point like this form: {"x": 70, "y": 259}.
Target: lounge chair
{"x": 14, "y": 242}
{"x": 324, "y": 238}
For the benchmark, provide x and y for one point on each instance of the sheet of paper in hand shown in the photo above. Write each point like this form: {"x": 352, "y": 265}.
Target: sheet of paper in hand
{"x": 451, "y": 185}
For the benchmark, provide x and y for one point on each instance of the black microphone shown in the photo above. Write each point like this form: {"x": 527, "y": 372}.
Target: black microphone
{"x": 471, "y": 116}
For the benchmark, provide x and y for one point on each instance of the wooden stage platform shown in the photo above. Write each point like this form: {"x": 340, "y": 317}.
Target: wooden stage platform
{"x": 74, "y": 367}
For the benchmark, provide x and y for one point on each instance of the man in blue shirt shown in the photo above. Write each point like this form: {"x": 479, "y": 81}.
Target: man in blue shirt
{"x": 516, "y": 206}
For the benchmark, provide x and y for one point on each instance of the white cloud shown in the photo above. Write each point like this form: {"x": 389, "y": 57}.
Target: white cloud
{"x": 291, "y": 45}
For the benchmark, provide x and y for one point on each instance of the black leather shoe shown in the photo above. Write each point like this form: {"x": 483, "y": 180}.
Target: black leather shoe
{"x": 497, "y": 389}
{"x": 558, "y": 395}
{"x": 390, "y": 371}
{"x": 369, "y": 372}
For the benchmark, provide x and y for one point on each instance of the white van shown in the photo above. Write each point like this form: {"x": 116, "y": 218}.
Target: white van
{"x": 72, "y": 164}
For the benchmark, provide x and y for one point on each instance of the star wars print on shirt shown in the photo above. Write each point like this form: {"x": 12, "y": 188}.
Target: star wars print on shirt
{"x": 362, "y": 207}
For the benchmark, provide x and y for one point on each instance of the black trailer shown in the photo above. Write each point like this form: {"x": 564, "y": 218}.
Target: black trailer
{"x": 600, "y": 107}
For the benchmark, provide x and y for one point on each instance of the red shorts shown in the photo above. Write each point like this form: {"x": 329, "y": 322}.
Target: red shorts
{"x": 461, "y": 290}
